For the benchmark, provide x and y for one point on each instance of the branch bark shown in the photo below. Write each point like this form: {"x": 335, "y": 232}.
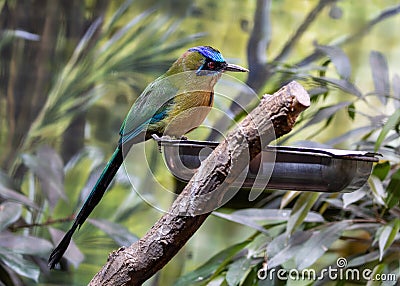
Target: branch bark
{"x": 273, "y": 117}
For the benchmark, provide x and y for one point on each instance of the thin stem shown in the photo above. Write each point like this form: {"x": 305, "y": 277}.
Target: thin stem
{"x": 46, "y": 223}
{"x": 302, "y": 28}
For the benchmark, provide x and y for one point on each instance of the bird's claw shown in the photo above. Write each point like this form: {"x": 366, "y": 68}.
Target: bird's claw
{"x": 160, "y": 140}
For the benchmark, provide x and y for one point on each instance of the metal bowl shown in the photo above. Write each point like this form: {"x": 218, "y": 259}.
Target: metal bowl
{"x": 280, "y": 167}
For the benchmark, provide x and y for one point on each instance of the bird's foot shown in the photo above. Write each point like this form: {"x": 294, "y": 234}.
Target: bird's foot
{"x": 156, "y": 137}
{"x": 167, "y": 138}
{"x": 159, "y": 139}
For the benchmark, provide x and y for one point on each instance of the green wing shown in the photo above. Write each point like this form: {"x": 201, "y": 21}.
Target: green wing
{"x": 150, "y": 107}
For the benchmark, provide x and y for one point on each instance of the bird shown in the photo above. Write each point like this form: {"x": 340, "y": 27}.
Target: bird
{"x": 172, "y": 105}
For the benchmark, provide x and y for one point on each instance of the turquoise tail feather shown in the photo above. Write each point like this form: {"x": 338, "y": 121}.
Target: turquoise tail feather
{"x": 94, "y": 198}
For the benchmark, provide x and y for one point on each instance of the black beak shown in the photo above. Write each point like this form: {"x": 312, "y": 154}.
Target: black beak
{"x": 235, "y": 68}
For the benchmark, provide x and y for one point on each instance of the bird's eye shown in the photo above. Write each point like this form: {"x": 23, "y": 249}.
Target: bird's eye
{"x": 211, "y": 65}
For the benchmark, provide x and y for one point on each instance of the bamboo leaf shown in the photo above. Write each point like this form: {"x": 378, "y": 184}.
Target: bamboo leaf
{"x": 289, "y": 196}
{"x": 381, "y": 170}
{"x": 300, "y": 211}
{"x": 85, "y": 40}
{"x": 393, "y": 190}
{"x": 380, "y": 75}
{"x": 115, "y": 39}
{"x": 242, "y": 220}
{"x": 377, "y": 189}
{"x": 238, "y": 270}
{"x": 117, "y": 232}
{"x": 351, "y": 111}
{"x": 392, "y": 121}
{"x": 342, "y": 84}
{"x": 387, "y": 236}
{"x": 47, "y": 165}
{"x": 318, "y": 244}
{"x": 19, "y": 264}
{"x": 349, "y": 198}
{"x": 211, "y": 267}
{"x": 117, "y": 15}
{"x": 396, "y": 91}
{"x": 327, "y": 112}
{"x": 339, "y": 59}
{"x": 265, "y": 215}
{"x": 364, "y": 259}
{"x": 357, "y": 132}
{"x": 30, "y": 245}
{"x": 9, "y": 213}
{"x": 281, "y": 249}
{"x": 376, "y": 272}
{"x": 11, "y": 195}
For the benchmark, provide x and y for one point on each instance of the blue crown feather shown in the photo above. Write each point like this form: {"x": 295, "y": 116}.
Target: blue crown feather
{"x": 209, "y": 52}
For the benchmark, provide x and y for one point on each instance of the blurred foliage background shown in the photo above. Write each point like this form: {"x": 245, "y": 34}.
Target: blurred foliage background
{"x": 69, "y": 71}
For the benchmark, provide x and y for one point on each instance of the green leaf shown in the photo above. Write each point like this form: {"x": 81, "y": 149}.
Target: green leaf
{"x": 19, "y": 264}
{"x": 276, "y": 214}
{"x": 387, "y": 236}
{"x": 393, "y": 190}
{"x": 326, "y": 112}
{"x": 238, "y": 270}
{"x": 351, "y": 111}
{"x": 242, "y": 220}
{"x": 339, "y": 59}
{"x": 30, "y": 245}
{"x": 351, "y": 134}
{"x": 213, "y": 266}
{"x": 392, "y": 121}
{"x": 11, "y": 195}
{"x": 264, "y": 216}
{"x": 300, "y": 210}
{"x": 363, "y": 259}
{"x": 377, "y": 189}
{"x": 380, "y": 75}
{"x": 381, "y": 170}
{"x": 48, "y": 166}
{"x": 9, "y": 213}
{"x": 6, "y": 181}
{"x": 349, "y": 198}
{"x": 378, "y": 270}
{"x": 117, "y": 232}
{"x": 318, "y": 244}
{"x": 396, "y": 91}
{"x": 342, "y": 84}
{"x": 281, "y": 249}
{"x": 251, "y": 279}
{"x": 315, "y": 92}
{"x": 117, "y": 15}
{"x": 8, "y": 35}
{"x": 288, "y": 197}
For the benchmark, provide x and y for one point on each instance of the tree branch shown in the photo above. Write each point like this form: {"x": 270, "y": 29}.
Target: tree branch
{"x": 257, "y": 47}
{"x": 272, "y": 118}
{"x": 50, "y": 221}
{"x": 301, "y": 29}
{"x": 385, "y": 14}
